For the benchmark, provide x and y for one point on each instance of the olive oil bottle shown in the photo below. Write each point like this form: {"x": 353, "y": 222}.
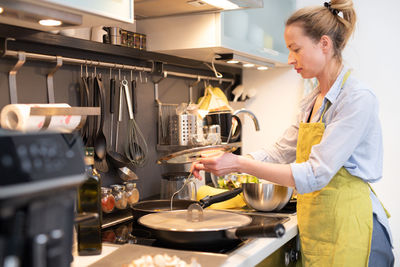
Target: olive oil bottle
{"x": 89, "y": 201}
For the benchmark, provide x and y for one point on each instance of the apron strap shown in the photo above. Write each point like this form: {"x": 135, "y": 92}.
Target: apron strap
{"x": 328, "y": 103}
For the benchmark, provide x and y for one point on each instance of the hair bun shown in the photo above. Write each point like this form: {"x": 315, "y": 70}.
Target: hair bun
{"x": 333, "y": 10}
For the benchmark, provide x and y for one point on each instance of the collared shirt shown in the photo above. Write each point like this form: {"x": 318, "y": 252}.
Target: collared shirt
{"x": 352, "y": 139}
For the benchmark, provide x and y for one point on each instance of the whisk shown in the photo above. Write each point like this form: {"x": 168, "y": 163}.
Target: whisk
{"x": 136, "y": 150}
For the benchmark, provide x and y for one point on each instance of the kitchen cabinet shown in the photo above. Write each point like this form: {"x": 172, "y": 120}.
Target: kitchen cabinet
{"x": 116, "y": 9}
{"x": 71, "y": 13}
{"x": 256, "y": 34}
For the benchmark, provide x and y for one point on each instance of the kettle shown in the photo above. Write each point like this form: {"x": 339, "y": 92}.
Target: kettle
{"x": 226, "y": 120}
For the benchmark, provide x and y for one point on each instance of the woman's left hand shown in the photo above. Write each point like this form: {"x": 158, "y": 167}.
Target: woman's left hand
{"x": 219, "y": 164}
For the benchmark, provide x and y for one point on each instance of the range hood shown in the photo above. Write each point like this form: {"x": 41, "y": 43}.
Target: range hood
{"x": 145, "y": 9}
{"x": 247, "y": 38}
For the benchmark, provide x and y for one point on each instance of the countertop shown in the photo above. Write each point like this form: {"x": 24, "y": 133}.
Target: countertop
{"x": 250, "y": 254}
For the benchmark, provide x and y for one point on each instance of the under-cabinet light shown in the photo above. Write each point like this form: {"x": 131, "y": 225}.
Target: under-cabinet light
{"x": 32, "y": 13}
{"x": 224, "y": 4}
{"x": 1, "y": 10}
{"x": 248, "y": 65}
{"x": 50, "y": 22}
{"x": 262, "y": 68}
{"x": 246, "y": 61}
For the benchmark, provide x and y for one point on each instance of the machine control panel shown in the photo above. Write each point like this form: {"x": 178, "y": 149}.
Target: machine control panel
{"x": 39, "y": 156}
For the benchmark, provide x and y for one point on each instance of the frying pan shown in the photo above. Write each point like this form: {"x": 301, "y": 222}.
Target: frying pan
{"x": 142, "y": 208}
{"x": 217, "y": 229}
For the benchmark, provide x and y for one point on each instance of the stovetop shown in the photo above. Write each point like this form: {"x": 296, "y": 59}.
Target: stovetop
{"x": 131, "y": 232}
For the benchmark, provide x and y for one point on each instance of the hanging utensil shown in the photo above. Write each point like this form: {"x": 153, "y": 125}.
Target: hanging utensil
{"x": 117, "y": 159}
{"x": 84, "y": 97}
{"x": 133, "y": 86}
{"x": 136, "y": 149}
{"x": 91, "y": 120}
{"x": 100, "y": 141}
{"x": 112, "y": 101}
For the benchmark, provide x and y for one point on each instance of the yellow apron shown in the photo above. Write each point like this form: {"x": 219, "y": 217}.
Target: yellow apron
{"x": 335, "y": 223}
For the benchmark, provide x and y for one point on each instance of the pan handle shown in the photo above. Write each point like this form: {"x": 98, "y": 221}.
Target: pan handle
{"x": 269, "y": 230}
{"x": 209, "y": 200}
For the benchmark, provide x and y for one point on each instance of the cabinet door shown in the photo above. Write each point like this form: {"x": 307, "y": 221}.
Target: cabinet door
{"x": 258, "y": 31}
{"x": 286, "y": 256}
{"x": 116, "y": 9}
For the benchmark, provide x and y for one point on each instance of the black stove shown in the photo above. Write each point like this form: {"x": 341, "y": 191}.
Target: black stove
{"x": 131, "y": 232}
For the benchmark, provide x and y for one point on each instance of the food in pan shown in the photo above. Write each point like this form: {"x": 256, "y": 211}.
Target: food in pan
{"x": 163, "y": 260}
{"x": 233, "y": 180}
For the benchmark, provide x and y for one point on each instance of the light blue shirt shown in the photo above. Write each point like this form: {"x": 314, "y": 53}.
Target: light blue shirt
{"x": 352, "y": 138}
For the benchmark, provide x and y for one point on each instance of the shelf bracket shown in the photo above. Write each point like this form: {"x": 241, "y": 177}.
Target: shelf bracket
{"x": 12, "y": 77}
{"x": 50, "y": 81}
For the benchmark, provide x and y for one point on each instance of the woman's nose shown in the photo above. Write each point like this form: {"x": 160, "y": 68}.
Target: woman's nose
{"x": 291, "y": 59}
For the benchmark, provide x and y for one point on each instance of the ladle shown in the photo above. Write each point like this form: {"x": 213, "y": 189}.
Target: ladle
{"x": 127, "y": 174}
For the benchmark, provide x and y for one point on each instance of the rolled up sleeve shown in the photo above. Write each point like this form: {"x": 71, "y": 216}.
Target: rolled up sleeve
{"x": 303, "y": 176}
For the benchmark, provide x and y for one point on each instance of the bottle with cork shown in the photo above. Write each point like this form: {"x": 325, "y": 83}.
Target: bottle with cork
{"x": 89, "y": 201}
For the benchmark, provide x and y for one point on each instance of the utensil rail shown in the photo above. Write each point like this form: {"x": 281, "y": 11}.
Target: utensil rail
{"x": 96, "y": 63}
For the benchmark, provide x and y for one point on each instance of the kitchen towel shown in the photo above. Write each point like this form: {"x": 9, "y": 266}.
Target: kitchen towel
{"x": 17, "y": 117}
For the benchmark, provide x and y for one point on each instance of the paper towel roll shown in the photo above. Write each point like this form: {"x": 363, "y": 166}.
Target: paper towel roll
{"x": 17, "y": 117}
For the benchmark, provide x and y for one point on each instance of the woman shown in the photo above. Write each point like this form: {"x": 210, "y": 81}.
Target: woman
{"x": 331, "y": 153}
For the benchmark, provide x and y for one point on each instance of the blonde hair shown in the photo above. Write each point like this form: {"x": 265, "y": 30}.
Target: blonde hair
{"x": 325, "y": 20}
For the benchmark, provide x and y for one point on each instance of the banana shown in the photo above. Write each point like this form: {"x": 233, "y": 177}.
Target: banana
{"x": 236, "y": 202}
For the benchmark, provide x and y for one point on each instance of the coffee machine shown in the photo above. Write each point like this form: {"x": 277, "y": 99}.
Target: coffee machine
{"x": 39, "y": 175}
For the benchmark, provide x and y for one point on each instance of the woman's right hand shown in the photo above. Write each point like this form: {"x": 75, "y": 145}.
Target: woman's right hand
{"x": 218, "y": 164}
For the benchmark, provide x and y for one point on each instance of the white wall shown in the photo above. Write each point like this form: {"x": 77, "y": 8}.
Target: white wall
{"x": 374, "y": 54}
{"x": 275, "y": 105}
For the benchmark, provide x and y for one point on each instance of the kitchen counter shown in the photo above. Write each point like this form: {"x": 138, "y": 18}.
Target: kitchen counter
{"x": 250, "y": 254}
{"x": 260, "y": 248}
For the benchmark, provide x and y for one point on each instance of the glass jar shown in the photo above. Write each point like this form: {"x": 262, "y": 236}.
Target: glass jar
{"x": 132, "y": 193}
{"x": 107, "y": 200}
{"x": 120, "y": 196}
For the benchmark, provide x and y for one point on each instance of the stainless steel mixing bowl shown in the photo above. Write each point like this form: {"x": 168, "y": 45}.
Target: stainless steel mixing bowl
{"x": 266, "y": 196}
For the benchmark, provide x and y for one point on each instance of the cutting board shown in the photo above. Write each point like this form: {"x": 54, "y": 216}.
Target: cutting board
{"x": 129, "y": 252}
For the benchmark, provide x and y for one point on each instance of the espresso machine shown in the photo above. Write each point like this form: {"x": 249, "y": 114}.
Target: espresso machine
{"x": 39, "y": 175}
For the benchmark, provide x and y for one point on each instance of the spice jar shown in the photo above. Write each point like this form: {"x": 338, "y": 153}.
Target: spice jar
{"x": 120, "y": 196}
{"x": 107, "y": 200}
{"x": 132, "y": 193}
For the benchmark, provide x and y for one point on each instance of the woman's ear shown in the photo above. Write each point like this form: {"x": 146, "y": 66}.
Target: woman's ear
{"x": 326, "y": 43}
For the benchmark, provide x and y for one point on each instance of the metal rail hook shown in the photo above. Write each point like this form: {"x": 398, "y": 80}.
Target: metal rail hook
{"x": 3, "y": 45}
{"x": 13, "y": 79}
{"x": 191, "y": 89}
{"x": 50, "y": 80}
